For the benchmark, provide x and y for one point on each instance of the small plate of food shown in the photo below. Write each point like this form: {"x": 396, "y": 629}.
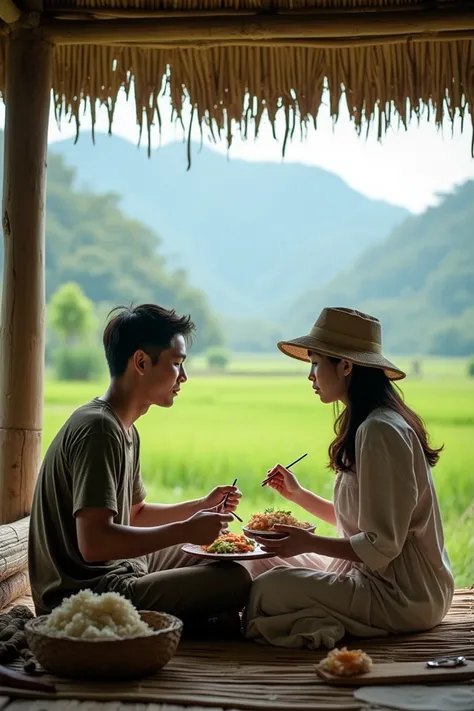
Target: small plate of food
{"x": 341, "y": 665}
{"x": 262, "y": 524}
{"x": 229, "y": 546}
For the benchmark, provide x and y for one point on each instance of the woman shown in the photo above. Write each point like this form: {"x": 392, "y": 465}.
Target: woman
{"x": 388, "y": 572}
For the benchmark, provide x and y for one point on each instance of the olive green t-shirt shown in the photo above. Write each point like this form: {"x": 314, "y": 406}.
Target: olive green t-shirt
{"x": 93, "y": 462}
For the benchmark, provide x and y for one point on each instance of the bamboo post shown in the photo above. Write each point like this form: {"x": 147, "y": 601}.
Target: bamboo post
{"x": 27, "y": 99}
{"x": 9, "y": 11}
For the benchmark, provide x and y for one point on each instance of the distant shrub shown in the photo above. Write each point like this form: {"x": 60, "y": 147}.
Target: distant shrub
{"x": 470, "y": 368}
{"x": 217, "y": 358}
{"x": 81, "y": 362}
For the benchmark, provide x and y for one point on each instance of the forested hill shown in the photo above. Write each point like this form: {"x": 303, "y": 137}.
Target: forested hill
{"x": 114, "y": 258}
{"x": 419, "y": 282}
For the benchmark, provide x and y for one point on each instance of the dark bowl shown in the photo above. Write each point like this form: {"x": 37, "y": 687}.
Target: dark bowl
{"x": 273, "y": 535}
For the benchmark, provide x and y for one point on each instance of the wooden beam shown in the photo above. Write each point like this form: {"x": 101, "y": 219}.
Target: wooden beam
{"x": 66, "y": 11}
{"x": 27, "y": 99}
{"x": 259, "y": 27}
{"x": 333, "y": 43}
{"x": 89, "y": 13}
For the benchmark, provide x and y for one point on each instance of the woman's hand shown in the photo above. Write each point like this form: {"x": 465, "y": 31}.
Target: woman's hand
{"x": 284, "y": 482}
{"x": 297, "y": 541}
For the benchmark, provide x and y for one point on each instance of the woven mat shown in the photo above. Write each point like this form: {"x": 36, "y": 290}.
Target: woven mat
{"x": 248, "y": 676}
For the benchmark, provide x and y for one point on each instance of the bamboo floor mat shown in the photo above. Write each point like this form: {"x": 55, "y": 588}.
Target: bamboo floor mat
{"x": 247, "y": 676}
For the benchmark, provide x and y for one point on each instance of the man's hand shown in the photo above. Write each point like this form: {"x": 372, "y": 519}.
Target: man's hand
{"x": 216, "y": 498}
{"x": 297, "y": 541}
{"x": 205, "y": 526}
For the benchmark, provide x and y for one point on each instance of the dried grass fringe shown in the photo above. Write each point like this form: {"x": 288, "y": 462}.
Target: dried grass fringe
{"x": 231, "y": 88}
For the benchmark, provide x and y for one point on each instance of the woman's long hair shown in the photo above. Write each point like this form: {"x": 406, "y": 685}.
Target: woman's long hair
{"x": 369, "y": 388}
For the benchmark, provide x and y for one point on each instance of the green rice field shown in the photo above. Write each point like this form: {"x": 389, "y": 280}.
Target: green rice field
{"x": 224, "y": 427}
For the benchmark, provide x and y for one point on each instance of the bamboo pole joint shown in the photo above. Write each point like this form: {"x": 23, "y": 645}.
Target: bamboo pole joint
{"x": 9, "y": 12}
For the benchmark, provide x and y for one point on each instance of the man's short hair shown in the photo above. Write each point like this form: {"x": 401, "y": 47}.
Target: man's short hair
{"x": 146, "y": 327}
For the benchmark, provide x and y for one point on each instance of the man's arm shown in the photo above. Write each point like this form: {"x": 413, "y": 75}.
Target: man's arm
{"x": 143, "y": 515}
{"x": 97, "y": 462}
{"x": 100, "y": 539}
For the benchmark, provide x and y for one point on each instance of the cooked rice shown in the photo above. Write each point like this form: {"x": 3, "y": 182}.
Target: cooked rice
{"x": 88, "y": 615}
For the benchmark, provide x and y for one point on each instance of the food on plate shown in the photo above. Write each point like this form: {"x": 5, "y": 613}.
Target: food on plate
{"x": 88, "y": 615}
{"x": 230, "y": 543}
{"x": 266, "y": 521}
{"x": 346, "y": 662}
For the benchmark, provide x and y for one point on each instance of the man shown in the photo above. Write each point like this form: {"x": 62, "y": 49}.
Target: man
{"x": 90, "y": 524}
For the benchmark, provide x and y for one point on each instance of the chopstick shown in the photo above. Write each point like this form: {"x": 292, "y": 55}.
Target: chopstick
{"x": 269, "y": 478}
{"x": 225, "y": 502}
{"x": 227, "y": 495}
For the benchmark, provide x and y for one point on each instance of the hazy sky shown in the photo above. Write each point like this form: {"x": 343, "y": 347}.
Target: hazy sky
{"x": 408, "y": 168}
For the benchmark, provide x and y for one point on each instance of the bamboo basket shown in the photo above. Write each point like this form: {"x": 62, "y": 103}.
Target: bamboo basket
{"x": 105, "y": 659}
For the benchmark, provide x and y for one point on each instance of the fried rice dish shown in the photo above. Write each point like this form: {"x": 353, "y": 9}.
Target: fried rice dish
{"x": 230, "y": 543}
{"x": 269, "y": 518}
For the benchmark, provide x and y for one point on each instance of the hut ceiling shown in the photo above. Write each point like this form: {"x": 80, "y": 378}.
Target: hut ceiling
{"x": 237, "y": 60}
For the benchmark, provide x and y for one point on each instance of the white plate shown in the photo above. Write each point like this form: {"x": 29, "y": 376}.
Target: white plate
{"x": 251, "y": 555}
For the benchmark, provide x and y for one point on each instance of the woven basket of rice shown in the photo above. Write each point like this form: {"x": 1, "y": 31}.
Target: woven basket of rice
{"x": 106, "y": 659}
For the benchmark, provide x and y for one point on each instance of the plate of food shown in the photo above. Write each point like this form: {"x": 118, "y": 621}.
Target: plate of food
{"x": 229, "y": 546}
{"x": 262, "y": 524}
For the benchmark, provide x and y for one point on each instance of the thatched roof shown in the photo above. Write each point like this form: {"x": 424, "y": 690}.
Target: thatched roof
{"x": 235, "y": 59}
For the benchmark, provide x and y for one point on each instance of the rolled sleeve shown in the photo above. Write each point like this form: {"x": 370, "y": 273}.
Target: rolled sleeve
{"x": 387, "y": 492}
{"x": 364, "y": 544}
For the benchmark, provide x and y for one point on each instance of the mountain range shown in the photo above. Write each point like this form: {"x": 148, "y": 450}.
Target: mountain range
{"x": 255, "y": 250}
{"x": 253, "y": 236}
